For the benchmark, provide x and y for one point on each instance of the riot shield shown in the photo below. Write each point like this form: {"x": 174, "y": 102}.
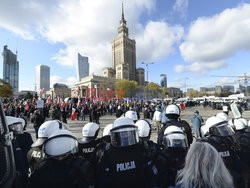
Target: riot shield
{"x": 7, "y": 163}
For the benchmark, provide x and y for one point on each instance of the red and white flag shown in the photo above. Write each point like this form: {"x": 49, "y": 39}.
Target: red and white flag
{"x": 73, "y": 114}
{"x": 79, "y": 102}
{"x": 48, "y": 101}
{"x": 42, "y": 90}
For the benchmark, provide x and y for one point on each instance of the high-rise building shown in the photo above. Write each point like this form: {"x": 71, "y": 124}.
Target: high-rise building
{"x": 42, "y": 78}
{"x": 82, "y": 67}
{"x": 124, "y": 53}
{"x": 228, "y": 89}
{"x": 10, "y": 68}
{"x": 163, "y": 80}
{"x": 140, "y": 76}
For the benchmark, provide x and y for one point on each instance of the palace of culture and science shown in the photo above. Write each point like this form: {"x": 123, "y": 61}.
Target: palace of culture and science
{"x": 123, "y": 64}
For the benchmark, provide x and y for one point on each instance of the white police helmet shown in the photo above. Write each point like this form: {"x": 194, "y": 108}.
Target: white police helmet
{"x": 15, "y": 124}
{"x": 174, "y": 137}
{"x": 89, "y": 132}
{"x": 236, "y": 124}
{"x": 144, "y": 128}
{"x": 223, "y": 116}
{"x": 106, "y": 130}
{"x": 244, "y": 121}
{"x": 132, "y": 115}
{"x": 218, "y": 127}
{"x": 172, "y": 109}
{"x": 61, "y": 142}
{"x": 225, "y": 109}
{"x": 124, "y": 133}
{"x": 46, "y": 129}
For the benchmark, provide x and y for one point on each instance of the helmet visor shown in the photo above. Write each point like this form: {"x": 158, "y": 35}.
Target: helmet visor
{"x": 16, "y": 128}
{"x": 60, "y": 145}
{"x": 222, "y": 130}
{"x": 177, "y": 140}
{"x": 124, "y": 137}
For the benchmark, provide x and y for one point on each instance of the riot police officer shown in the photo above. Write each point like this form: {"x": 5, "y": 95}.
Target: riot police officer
{"x": 132, "y": 115}
{"x": 144, "y": 132}
{"x": 106, "y": 133}
{"x": 122, "y": 163}
{"x": 21, "y": 144}
{"x": 62, "y": 167}
{"x": 173, "y": 115}
{"x": 220, "y": 135}
{"x": 35, "y": 154}
{"x": 88, "y": 142}
{"x": 172, "y": 157}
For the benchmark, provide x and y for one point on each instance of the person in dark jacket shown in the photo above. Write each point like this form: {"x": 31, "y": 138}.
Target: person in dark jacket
{"x": 62, "y": 167}
{"x": 37, "y": 120}
{"x": 55, "y": 114}
{"x": 119, "y": 112}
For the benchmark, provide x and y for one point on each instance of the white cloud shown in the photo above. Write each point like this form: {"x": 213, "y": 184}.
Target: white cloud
{"x": 227, "y": 81}
{"x": 214, "y": 39}
{"x": 199, "y": 68}
{"x": 180, "y": 7}
{"x": 88, "y": 27}
{"x": 57, "y": 79}
{"x": 157, "y": 40}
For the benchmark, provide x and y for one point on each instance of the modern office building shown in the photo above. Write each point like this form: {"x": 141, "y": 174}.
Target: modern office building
{"x": 82, "y": 67}
{"x": 42, "y": 78}
{"x": 218, "y": 90}
{"x": 140, "y": 76}
{"x": 10, "y": 69}
{"x": 228, "y": 89}
{"x": 163, "y": 81}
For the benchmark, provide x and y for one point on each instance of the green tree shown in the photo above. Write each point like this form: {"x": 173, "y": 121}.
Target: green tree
{"x": 5, "y": 89}
{"x": 126, "y": 85}
{"x": 155, "y": 90}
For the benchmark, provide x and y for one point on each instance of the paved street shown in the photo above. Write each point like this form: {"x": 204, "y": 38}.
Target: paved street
{"x": 76, "y": 126}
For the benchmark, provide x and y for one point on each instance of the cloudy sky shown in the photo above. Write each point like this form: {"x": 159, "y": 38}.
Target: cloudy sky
{"x": 190, "y": 39}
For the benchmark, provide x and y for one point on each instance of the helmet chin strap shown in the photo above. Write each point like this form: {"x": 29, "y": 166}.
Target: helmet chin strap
{"x": 60, "y": 124}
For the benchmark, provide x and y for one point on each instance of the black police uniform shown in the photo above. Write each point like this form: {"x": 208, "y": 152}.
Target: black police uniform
{"x": 168, "y": 163}
{"x": 245, "y": 153}
{"x": 35, "y": 156}
{"x": 21, "y": 165}
{"x": 229, "y": 151}
{"x": 71, "y": 172}
{"x": 124, "y": 167}
{"x": 245, "y": 147}
{"x": 152, "y": 149}
{"x": 87, "y": 149}
{"x": 179, "y": 123}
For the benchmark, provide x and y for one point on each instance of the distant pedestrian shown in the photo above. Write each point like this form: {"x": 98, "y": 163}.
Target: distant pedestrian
{"x": 196, "y": 121}
{"x": 37, "y": 120}
{"x": 55, "y": 113}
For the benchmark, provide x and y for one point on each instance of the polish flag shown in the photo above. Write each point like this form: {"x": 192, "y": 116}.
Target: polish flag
{"x": 48, "y": 101}
{"x": 79, "y": 102}
{"x": 73, "y": 114}
{"x": 42, "y": 90}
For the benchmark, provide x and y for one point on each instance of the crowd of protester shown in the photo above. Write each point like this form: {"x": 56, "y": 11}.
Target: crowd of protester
{"x": 211, "y": 154}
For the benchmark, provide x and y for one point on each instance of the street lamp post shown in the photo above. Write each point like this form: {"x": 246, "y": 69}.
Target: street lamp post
{"x": 95, "y": 90}
{"x": 186, "y": 78}
{"x": 147, "y": 67}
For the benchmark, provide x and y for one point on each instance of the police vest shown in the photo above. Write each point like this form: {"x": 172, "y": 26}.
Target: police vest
{"x": 125, "y": 167}
{"x": 35, "y": 156}
{"x": 86, "y": 150}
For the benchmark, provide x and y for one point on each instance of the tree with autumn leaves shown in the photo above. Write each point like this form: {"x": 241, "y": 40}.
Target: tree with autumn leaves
{"x": 5, "y": 89}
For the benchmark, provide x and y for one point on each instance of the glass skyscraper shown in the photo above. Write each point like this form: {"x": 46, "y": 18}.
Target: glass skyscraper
{"x": 82, "y": 67}
{"x": 10, "y": 68}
